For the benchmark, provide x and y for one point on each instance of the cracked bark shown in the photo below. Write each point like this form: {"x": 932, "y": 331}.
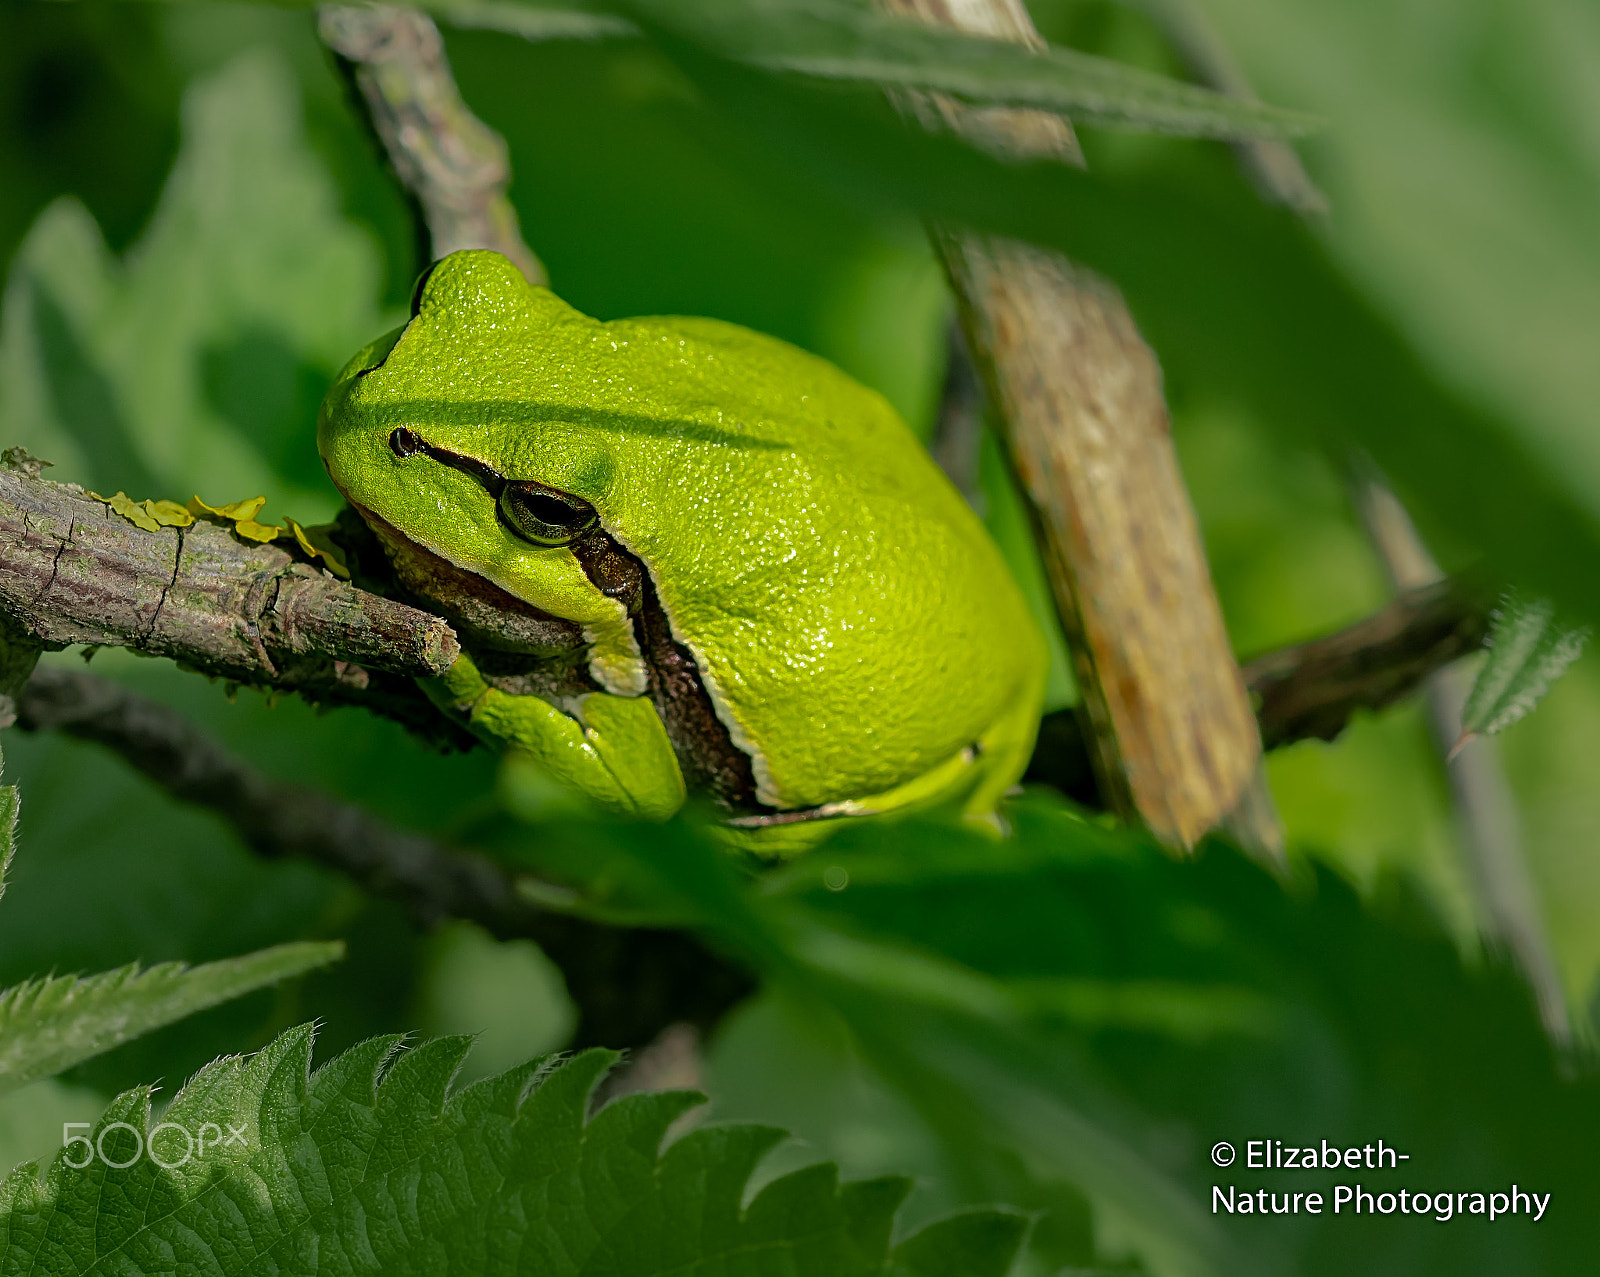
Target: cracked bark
{"x": 73, "y": 571}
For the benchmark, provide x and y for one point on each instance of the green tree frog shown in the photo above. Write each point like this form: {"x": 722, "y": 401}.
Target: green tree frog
{"x": 684, "y": 555}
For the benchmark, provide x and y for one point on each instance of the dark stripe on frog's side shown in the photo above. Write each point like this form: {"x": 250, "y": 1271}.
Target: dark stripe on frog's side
{"x": 706, "y": 753}
{"x": 611, "y": 570}
{"x": 488, "y": 617}
{"x": 524, "y": 650}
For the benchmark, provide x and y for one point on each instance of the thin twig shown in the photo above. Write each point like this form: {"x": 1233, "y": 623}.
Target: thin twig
{"x": 1272, "y": 164}
{"x": 1311, "y": 690}
{"x": 629, "y": 985}
{"x": 1486, "y": 809}
{"x": 447, "y": 159}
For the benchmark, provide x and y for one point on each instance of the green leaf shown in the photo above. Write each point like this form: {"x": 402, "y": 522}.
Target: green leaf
{"x": 10, "y": 806}
{"x": 49, "y": 1024}
{"x": 902, "y": 999}
{"x": 973, "y": 1244}
{"x": 372, "y": 1165}
{"x": 1072, "y": 1016}
{"x": 1528, "y": 650}
{"x": 854, "y": 43}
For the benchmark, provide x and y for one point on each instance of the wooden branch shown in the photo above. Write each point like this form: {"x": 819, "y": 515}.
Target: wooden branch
{"x": 1312, "y": 689}
{"x": 629, "y": 985}
{"x": 73, "y": 571}
{"x": 1079, "y": 393}
{"x": 447, "y": 159}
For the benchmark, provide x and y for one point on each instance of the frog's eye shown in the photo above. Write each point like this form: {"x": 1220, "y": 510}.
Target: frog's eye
{"x": 406, "y": 443}
{"x": 543, "y": 516}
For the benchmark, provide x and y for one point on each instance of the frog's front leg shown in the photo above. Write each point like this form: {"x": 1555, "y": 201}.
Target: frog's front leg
{"x": 618, "y": 755}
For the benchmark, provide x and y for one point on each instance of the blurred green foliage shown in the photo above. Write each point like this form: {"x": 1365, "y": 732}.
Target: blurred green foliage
{"x": 1070, "y": 1016}
{"x": 1064, "y": 1023}
{"x": 372, "y": 1163}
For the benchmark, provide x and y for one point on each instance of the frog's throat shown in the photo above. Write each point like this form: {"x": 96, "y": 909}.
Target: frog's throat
{"x": 485, "y": 617}
{"x": 713, "y": 750}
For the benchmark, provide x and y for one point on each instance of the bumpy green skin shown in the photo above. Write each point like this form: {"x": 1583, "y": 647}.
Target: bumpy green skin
{"x": 854, "y": 626}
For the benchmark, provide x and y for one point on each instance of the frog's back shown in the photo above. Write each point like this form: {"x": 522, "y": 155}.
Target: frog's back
{"x": 850, "y": 618}
{"x": 847, "y": 609}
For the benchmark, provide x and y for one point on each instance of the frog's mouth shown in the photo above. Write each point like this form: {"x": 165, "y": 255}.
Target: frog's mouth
{"x": 483, "y": 613}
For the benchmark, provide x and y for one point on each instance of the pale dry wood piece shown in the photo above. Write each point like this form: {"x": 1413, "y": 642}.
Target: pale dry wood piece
{"x": 1080, "y": 396}
{"x": 453, "y": 164}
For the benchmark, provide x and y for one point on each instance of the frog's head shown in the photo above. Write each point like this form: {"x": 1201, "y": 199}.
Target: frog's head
{"x": 456, "y": 434}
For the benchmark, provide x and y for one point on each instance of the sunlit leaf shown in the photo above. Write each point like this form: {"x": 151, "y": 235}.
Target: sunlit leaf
{"x": 169, "y": 514}
{"x": 50, "y": 1024}
{"x": 243, "y": 516}
{"x": 150, "y": 515}
{"x": 246, "y": 509}
{"x": 851, "y": 42}
{"x": 133, "y": 511}
{"x": 372, "y": 1158}
{"x": 1529, "y": 648}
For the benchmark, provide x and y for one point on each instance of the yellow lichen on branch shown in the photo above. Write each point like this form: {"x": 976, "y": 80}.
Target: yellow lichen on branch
{"x": 150, "y": 515}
